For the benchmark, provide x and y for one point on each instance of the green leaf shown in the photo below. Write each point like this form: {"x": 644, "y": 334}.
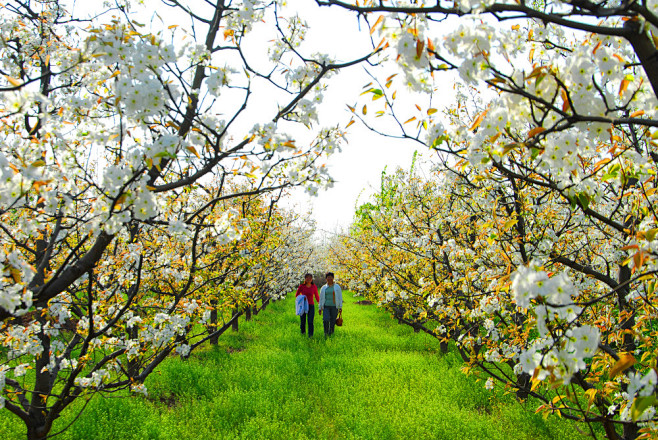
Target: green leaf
{"x": 539, "y": 79}
{"x": 584, "y": 200}
{"x": 572, "y": 202}
{"x": 651, "y": 234}
{"x": 640, "y": 404}
{"x": 377, "y": 92}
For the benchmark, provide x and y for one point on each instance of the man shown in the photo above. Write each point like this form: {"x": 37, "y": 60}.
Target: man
{"x": 331, "y": 302}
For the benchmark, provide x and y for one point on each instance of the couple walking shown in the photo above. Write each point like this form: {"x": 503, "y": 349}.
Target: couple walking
{"x": 330, "y": 301}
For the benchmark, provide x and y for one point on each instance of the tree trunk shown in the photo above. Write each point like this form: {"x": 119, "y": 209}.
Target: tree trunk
{"x": 630, "y": 431}
{"x": 234, "y": 326}
{"x": 133, "y": 364}
{"x": 39, "y": 427}
{"x": 644, "y": 49}
{"x": 523, "y": 382}
{"x": 212, "y": 328}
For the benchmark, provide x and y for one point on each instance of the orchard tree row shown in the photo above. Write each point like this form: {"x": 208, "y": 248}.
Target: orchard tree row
{"x": 144, "y": 151}
{"x": 530, "y": 238}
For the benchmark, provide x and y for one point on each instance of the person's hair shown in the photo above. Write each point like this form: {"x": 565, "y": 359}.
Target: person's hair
{"x": 329, "y": 274}
{"x": 308, "y": 275}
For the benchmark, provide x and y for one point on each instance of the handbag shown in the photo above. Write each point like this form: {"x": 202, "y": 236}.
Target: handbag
{"x": 339, "y": 319}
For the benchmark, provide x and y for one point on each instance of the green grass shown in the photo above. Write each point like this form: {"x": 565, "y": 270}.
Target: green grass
{"x": 374, "y": 379}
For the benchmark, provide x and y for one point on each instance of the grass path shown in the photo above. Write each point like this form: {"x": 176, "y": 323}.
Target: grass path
{"x": 373, "y": 380}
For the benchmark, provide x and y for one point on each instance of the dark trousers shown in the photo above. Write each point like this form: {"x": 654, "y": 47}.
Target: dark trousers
{"x": 329, "y": 315}
{"x": 308, "y": 317}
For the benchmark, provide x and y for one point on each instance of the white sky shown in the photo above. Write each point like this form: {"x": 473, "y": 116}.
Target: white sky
{"x": 357, "y": 169}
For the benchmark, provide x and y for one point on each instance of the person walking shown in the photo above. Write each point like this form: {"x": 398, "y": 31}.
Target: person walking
{"x": 310, "y": 290}
{"x": 331, "y": 302}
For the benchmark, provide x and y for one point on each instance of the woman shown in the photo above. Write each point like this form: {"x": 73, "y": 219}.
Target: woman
{"x": 331, "y": 300}
{"x": 310, "y": 290}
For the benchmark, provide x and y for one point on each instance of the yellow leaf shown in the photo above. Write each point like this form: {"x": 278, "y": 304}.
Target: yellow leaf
{"x": 430, "y": 46}
{"x": 637, "y": 113}
{"x": 596, "y": 48}
{"x": 15, "y": 274}
{"x": 509, "y": 223}
{"x": 364, "y": 110}
{"x": 13, "y": 81}
{"x": 121, "y": 199}
{"x": 192, "y": 150}
{"x": 431, "y": 111}
{"x": 535, "y": 383}
{"x": 651, "y": 233}
{"x": 350, "y": 123}
{"x": 410, "y": 120}
{"x": 623, "y": 86}
{"x": 599, "y": 164}
{"x": 374, "y": 26}
{"x": 565, "y": 100}
{"x": 420, "y": 46}
{"x": 39, "y": 183}
{"x": 591, "y": 395}
{"x": 382, "y": 44}
{"x": 535, "y": 131}
{"x": 626, "y": 360}
{"x": 479, "y": 120}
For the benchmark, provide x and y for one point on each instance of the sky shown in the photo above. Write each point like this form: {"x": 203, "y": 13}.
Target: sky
{"x": 357, "y": 170}
{"x": 358, "y": 167}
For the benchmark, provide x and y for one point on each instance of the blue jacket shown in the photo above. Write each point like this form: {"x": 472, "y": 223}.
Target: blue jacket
{"x": 301, "y": 305}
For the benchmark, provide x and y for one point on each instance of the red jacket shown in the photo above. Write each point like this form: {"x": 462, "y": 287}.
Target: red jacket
{"x": 310, "y": 292}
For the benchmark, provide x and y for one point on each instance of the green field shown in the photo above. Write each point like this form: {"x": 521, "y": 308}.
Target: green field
{"x": 374, "y": 379}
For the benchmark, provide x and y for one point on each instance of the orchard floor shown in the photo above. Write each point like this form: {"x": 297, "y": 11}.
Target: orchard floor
{"x": 374, "y": 379}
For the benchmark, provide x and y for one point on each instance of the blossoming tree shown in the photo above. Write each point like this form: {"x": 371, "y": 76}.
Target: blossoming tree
{"x": 132, "y": 161}
{"x": 554, "y": 137}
